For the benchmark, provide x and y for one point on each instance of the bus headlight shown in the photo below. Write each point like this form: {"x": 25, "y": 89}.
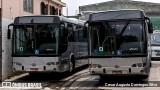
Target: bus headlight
{"x": 17, "y": 63}
{"x": 137, "y": 65}
{"x": 50, "y": 63}
{"x": 96, "y": 65}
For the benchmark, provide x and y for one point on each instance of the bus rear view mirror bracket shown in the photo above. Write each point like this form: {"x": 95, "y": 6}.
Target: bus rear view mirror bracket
{"x": 9, "y": 32}
{"x": 150, "y": 27}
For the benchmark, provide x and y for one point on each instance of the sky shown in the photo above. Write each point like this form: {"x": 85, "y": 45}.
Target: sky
{"x": 73, "y": 5}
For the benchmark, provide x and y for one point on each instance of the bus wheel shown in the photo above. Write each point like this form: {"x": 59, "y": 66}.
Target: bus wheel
{"x": 145, "y": 76}
{"x": 102, "y": 77}
{"x": 33, "y": 74}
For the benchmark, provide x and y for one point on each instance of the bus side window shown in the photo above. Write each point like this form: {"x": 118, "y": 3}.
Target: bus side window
{"x": 85, "y": 32}
{"x": 76, "y": 36}
{"x": 81, "y": 39}
{"x": 62, "y": 30}
{"x": 70, "y": 33}
{"x": 63, "y": 39}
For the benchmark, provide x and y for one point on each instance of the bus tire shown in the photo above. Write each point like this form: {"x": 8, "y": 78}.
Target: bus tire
{"x": 102, "y": 77}
{"x": 33, "y": 74}
{"x": 145, "y": 76}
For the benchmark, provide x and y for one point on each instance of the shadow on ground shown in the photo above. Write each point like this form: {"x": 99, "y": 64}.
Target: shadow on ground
{"x": 46, "y": 77}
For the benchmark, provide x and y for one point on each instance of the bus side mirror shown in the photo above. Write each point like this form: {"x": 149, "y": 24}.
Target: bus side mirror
{"x": 9, "y": 34}
{"x": 150, "y": 27}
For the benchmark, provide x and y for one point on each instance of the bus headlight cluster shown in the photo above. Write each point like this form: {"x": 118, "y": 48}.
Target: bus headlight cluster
{"x": 17, "y": 63}
{"x": 96, "y": 65}
{"x": 52, "y": 63}
{"x": 137, "y": 65}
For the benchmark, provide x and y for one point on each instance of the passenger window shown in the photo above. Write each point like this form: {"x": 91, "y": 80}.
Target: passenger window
{"x": 76, "y": 36}
{"x": 81, "y": 36}
{"x": 70, "y": 33}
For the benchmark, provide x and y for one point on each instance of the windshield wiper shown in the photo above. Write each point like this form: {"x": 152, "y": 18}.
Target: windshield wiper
{"x": 106, "y": 26}
{"x": 124, "y": 28}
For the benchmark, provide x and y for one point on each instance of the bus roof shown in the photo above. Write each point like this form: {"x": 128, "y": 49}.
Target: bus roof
{"x": 117, "y": 14}
{"x": 45, "y": 19}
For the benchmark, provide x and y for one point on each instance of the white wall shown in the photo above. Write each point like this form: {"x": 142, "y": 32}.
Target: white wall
{"x": 6, "y": 50}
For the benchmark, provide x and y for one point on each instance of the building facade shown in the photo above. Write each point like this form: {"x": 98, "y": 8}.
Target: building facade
{"x": 13, "y": 8}
{"x": 9, "y": 9}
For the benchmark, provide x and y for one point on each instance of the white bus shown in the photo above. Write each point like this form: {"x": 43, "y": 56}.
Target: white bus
{"x": 48, "y": 44}
{"x": 118, "y": 42}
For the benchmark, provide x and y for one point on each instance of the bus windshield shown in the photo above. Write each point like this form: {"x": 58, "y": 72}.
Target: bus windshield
{"x": 155, "y": 39}
{"x": 35, "y": 39}
{"x": 116, "y": 37}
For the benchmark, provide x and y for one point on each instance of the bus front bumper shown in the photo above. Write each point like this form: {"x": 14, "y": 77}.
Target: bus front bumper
{"x": 119, "y": 71}
{"x": 39, "y": 68}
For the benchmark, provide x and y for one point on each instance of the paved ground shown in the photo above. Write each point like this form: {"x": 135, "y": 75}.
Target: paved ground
{"x": 83, "y": 80}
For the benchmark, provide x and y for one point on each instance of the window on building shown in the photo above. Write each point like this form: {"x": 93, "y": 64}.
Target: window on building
{"x": 60, "y": 12}
{"x": 46, "y": 9}
{"x": 28, "y": 6}
{"x": 56, "y": 11}
{"x": 52, "y": 10}
{"x": 42, "y": 6}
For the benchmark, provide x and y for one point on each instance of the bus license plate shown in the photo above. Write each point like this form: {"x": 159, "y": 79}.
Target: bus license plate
{"x": 34, "y": 69}
{"x": 116, "y": 72}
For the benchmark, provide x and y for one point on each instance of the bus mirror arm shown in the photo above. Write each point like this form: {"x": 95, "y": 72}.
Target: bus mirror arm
{"x": 150, "y": 26}
{"x": 9, "y": 32}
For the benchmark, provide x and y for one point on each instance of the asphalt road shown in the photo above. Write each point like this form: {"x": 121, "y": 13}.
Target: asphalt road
{"x": 81, "y": 79}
